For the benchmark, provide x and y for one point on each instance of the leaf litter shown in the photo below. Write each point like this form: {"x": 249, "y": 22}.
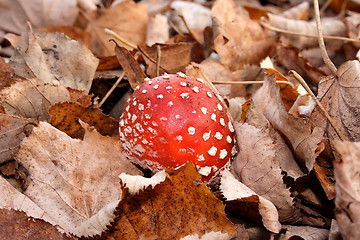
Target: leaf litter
{"x": 67, "y": 151}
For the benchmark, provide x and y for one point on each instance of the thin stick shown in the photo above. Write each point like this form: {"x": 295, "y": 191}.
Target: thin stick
{"x": 251, "y": 82}
{"x": 158, "y": 58}
{"x": 307, "y": 88}
{"x": 150, "y": 58}
{"x": 116, "y": 36}
{"x": 275, "y": 29}
{"x": 177, "y": 30}
{"x": 188, "y": 28}
{"x": 324, "y": 54}
{"x": 112, "y": 89}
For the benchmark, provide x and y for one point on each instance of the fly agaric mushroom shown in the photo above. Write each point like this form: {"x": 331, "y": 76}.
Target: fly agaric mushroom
{"x": 174, "y": 119}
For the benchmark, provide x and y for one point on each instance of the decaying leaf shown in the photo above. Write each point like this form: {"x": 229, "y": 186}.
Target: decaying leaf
{"x": 175, "y": 208}
{"x": 54, "y": 58}
{"x": 17, "y": 225}
{"x": 237, "y": 39}
{"x": 6, "y": 74}
{"x": 130, "y": 25}
{"x": 342, "y": 100}
{"x": 65, "y": 117}
{"x": 347, "y": 186}
{"x": 262, "y": 157}
{"x": 304, "y": 232}
{"x": 241, "y": 200}
{"x": 298, "y": 133}
{"x": 72, "y": 180}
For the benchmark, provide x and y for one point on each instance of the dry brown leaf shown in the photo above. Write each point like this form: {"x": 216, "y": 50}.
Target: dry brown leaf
{"x": 133, "y": 71}
{"x": 14, "y": 14}
{"x": 72, "y": 180}
{"x": 237, "y": 39}
{"x": 297, "y": 131}
{"x": 299, "y": 12}
{"x": 304, "y": 232}
{"x": 131, "y": 25}
{"x": 65, "y": 117}
{"x": 178, "y": 207}
{"x": 347, "y": 172}
{"x": 16, "y": 225}
{"x": 342, "y": 100}
{"x": 157, "y": 30}
{"x": 6, "y": 74}
{"x": 262, "y": 157}
{"x": 241, "y": 200}
{"x": 54, "y": 58}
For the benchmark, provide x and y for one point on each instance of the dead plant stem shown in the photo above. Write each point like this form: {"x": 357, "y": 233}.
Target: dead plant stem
{"x": 158, "y": 59}
{"x": 112, "y": 89}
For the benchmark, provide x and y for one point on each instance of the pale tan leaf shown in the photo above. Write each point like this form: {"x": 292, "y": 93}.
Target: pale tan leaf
{"x": 157, "y": 30}
{"x": 299, "y": 12}
{"x": 70, "y": 179}
{"x": 54, "y": 58}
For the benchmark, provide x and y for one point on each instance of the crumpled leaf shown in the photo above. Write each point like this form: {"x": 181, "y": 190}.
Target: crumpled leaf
{"x": 72, "y": 180}
{"x": 342, "y": 101}
{"x": 262, "y": 157}
{"x": 297, "y": 131}
{"x": 172, "y": 209}
{"x": 304, "y": 232}
{"x": 16, "y": 225}
{"x": 241, "y": 200}
{"x": 347, "y": 201}
{"x": 54, "y": 58}
{"x": 131, "y": 25}
{"x": 237, "y": 39}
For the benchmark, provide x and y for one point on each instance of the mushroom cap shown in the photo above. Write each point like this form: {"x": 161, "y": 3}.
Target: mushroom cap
{"x": 174, "y": 119}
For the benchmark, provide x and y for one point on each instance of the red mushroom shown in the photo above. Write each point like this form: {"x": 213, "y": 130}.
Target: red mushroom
{"x": 174, "y": 119}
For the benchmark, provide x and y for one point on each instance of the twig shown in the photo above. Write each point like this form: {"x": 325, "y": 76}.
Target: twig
{"x": 275, "y": 29}
{"x": 307, "y": 88}
{"x": 112, "y": 89}
{"x": 188, "y": 28}
{"x": 177, "y": 30}
{"x": 116, "y": 36}
{"x": 158, "y": 58}
{"x": 324, "y": 54}
{"x": 251, "y": 82}
{"x": 150, "y": 58}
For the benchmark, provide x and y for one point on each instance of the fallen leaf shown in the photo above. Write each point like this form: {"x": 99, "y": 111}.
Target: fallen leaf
{"x": 72, "y": 180}
{"x": 237, "y": 39}
{"x": 130, "y": 25}
{"x": 242, "y": 201}
{"x": 157, "y": 29}
{"x": 347, "y": 187}
{"x": 297, "y": 131}
{"x": 298, "y": 12}
{"x": 304, "y": 232}
{"x": 175, "y": 208}
{"x": 54, "y": 58}
{"x": 17, "y": 225}
{"x": 65, "y": 117}
{"x": 6, "y": 74}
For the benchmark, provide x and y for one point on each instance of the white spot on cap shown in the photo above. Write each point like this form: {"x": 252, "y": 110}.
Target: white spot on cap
{"x": 181, "y": 74}
{"x": 153, "y": 131}
{"x": 163, "y": 119}
{"x": 213, "y": 116}
{"x": 209, "y": 94}
{"x": 160, "y": 96}
{"x": 150, "y": 82}
{"x": 134, "y": 103}
{"x": 162, "y": 140}
{"x": 231, "y": 127}
{"x": 146, "y": 79}
{"x": 182, "y": 150}
{"x": 144, "y": 91}
{"x": 200, "y": 80}
{"x": 177, "y": 116}
{"x": 233, "y": 151}
{"x": 205, "y": 171}
{"x": 196, "y": 89}
{"x": 170, "y": 103}
{"x": 201, "y": 158}
{"x": 206, "y": 136}
{"x": 222, "y": 122}
{"x": 137, "y": 88}
{"x": 134, "y": 117}
{"x": 179, "y": 138}
{"x": 128, "y": 129}
{"x": 194, "y": 111}
{"x": 154, "y": 124}
{"x": 223, "y": 153}
{"x": 219, "y": 107}
{"x": 156, "y": 86}
{"x": 183, "y": 84}
{"x": 212, "y": 151}
{"x": 166, "y": 75}
{"x": 168, "y": 87}
{"x": 122, "y": 123}
{"x": 204, "y": 110}
{"x": 141, "y": 107}
{"x": 144, "y": 141}
{"x": 139, "y": 127}
{"x": 147, "y": 116}
{"x": 127, "y": 108}
{"x": 191, "y": 130}
{"x": 218, "y": 135}
{"x": 139, "y": 150}
{"x": 184, "y": 95}
{"x": 229, "y": 139}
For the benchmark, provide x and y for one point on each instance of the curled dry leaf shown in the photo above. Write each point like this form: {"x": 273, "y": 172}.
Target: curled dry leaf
{"x": 54, "y": 58}
{"x": 299, "y": 12}
{"x": 172, "y": 209}
{"x": 342, "y": 100}
{"x": 131, "y": 25}
{"x": 65, "y": 117}
{"x": 262, "y": 157}
{"x": 304, "y": 232}
{"x": 241, "y": 200}
{"x": 298, "y": 133}
{"x": 16, "y": 225}
{"x": 347, "y": 172}
{"x": 237, "y": 39}
{"x": 70, "y": 179}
